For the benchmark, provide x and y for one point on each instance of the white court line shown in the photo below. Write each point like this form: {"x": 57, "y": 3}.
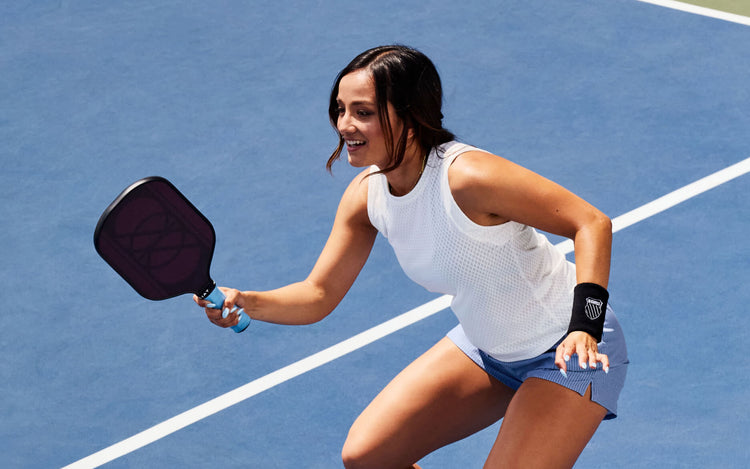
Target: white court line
{"x": 378, "y": 332}
{"x": 673, "y": 198}
{"x": 703, "y": 11}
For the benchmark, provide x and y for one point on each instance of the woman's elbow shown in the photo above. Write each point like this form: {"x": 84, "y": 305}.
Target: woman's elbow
{"x": 604, "y": 223}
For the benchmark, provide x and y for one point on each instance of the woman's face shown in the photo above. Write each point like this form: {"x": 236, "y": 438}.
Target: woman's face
{"x": 359, "y": 123}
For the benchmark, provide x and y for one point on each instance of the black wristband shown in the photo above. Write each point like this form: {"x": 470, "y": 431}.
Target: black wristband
{"x": 589, "y": 308}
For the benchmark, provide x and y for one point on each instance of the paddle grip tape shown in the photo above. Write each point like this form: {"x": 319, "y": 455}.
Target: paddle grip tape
{"x": 216, "y": 298}
{"x": 589, "y": 308}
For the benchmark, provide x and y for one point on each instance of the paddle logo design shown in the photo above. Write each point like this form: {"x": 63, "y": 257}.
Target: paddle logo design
{"x": 158, "y": 240}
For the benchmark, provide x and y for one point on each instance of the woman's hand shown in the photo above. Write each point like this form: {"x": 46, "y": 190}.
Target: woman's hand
{"x": 583, "y": 345}
{"x": 226, "y": 317}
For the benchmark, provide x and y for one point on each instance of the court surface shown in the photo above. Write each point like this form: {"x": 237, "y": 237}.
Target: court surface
{"x": 621, "y": 101}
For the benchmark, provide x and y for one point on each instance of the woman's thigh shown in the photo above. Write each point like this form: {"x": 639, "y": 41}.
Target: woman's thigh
{"x": 546, "y": 426}
{"x": 442, "y": 397}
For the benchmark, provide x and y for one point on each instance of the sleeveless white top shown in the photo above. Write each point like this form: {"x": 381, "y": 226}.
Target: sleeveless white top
{"x": 512, "y": 289}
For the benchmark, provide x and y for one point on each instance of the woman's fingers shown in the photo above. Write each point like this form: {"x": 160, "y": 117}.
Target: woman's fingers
{"x": 561, "y": 359}
{"x": 604, "y": 359}
{"x": 227, "y": 316}
{"x": 584, "y": 348}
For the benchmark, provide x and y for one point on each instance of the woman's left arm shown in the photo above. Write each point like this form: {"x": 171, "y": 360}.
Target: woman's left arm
{"x": 491, "y": 190}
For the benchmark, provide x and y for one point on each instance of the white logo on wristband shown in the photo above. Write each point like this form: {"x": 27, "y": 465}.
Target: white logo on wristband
{"x": 593, "y": 308}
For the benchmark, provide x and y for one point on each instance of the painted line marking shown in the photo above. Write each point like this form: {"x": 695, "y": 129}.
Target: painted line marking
{"x": 673, "y": 198}
{"x": 703, "y": 11}
{"x": 376, "y": 333}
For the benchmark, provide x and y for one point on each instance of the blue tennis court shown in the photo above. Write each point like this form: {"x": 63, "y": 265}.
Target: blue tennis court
{"x": 622, "y": 101}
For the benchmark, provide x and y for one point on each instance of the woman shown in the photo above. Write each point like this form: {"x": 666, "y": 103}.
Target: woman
{"x": 460, "y": 221}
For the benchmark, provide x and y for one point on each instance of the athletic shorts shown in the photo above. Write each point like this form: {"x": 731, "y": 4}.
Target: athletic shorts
{"x": 605, "y": 387}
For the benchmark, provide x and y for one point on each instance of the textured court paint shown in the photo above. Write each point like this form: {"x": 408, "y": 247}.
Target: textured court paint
{"x": 262, "y": 384}
{"x": 696, "y": 8}
{"x": 378, "y": 332}
{"x": 97, "y": 94}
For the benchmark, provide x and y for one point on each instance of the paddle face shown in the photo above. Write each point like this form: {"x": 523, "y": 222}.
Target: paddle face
{"x": 157, "y": 241}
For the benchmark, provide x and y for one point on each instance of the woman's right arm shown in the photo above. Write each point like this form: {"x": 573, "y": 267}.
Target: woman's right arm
{"x": 338, "y": 265}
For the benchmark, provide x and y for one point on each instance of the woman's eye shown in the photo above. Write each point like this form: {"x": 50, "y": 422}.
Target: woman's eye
{"x": 360, "y": 112}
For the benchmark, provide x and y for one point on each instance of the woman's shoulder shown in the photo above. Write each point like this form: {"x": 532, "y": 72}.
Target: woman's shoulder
{"x": 354, "y": 200}
{"x": 474, "y": 165}
{"x": 358, "y": 186}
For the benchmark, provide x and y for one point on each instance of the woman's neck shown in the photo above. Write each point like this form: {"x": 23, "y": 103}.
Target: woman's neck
{"x": 404, "y": 179}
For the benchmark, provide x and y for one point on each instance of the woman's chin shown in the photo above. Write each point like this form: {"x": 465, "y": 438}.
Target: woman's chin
{"x": 354, "y": 161}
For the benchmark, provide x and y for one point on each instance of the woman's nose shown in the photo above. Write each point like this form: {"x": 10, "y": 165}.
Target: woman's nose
{"x": 344, "y": 124}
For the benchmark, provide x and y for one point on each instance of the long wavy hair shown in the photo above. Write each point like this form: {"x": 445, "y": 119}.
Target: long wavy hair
{"x": 408, "y": 80}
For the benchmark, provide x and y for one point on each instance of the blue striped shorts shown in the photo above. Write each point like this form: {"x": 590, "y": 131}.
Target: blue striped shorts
{"x": 605, "y": 387}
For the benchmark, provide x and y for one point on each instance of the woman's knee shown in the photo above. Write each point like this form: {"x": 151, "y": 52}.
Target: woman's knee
{"x": 359, "y": 452}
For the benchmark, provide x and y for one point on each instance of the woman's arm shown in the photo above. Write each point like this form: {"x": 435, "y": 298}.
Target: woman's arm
{"x": 491, "y": 190}
{"x": 338, "y": 265}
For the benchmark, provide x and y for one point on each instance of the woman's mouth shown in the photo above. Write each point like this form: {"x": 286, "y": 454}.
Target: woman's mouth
{"x": 354, "y": 144}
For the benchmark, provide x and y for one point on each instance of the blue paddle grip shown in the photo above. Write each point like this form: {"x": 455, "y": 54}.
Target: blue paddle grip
{"x": 217, "y": 298}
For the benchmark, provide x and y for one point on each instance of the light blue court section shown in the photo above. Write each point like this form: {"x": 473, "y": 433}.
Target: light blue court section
{"x": 620, "y": 101}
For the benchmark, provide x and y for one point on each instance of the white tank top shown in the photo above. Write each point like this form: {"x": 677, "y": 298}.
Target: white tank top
{"x": 512, "y": 289}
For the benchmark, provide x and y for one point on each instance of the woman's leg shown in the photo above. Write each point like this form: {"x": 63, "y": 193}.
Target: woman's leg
{"x": 546, "y": 426}
{"x": 442, "y": 397}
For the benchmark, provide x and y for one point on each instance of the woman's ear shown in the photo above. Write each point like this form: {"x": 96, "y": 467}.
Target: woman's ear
{"x": 409, "y": 123}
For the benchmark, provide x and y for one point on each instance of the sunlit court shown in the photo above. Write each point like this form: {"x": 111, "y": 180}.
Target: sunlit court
{"x": 642, "y": 108}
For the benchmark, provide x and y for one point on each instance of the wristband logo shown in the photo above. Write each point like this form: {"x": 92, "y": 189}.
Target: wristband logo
{"x": 593, "y": 308}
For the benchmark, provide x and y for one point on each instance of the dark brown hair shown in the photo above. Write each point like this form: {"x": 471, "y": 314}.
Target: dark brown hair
{"x": 408, "y": 80}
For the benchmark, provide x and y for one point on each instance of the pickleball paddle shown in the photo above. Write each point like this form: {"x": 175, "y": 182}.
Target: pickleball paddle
{"x": 159, "y": 243}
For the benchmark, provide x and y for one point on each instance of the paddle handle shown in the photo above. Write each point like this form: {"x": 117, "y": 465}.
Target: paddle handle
{"x": 217, "y": 297}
